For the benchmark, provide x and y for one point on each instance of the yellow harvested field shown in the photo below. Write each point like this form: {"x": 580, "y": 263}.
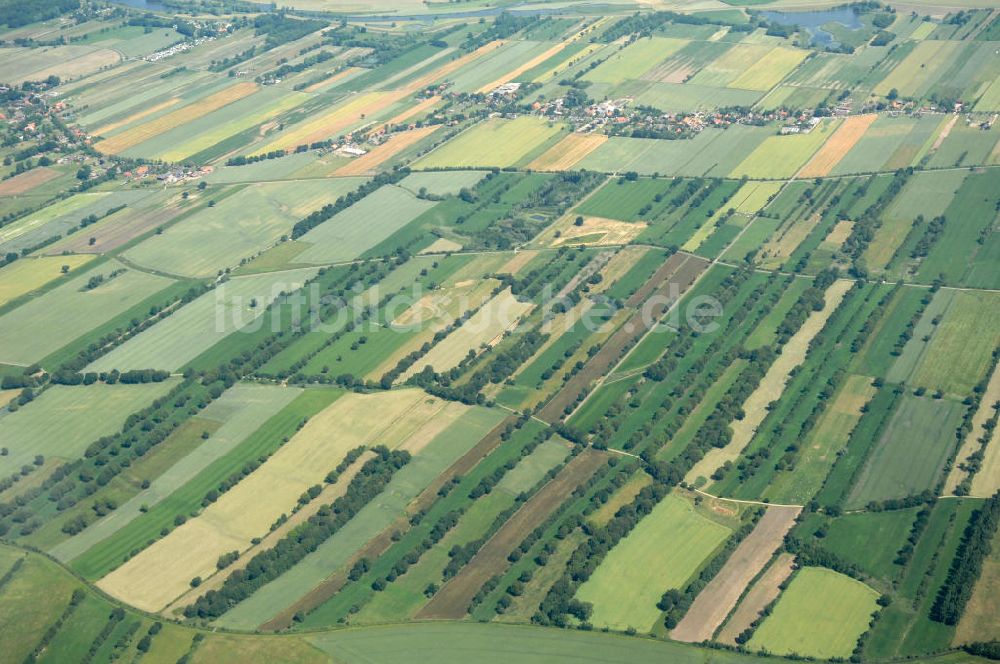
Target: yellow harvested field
{"x": 484, "y": 328}
{"x": 444, "y": 305}
{"x": 6, "y": 396}
{"x": 135, "y": 117}
{"x": 181, "y": 116}
{"x": 623, "y": 496}
{"x": 431, "y": 314}
{"x": 520, "y": 259}
{"x": 368, "y": 164}
{"x": 442, "y": 245}
{"x": 599, "y": 231}
{"x": 769, "y": 70}
{"x": 565, "y": 154}
{"x": 158, "y": 575}
{"x": 27, "y": 274}
{"x": 704, "y": 231}
{"x": 440, "y": 416}
{"x": 987, "y": 481}
{"x": 332, "y": 122}
{"x": 771, "y": 387}
{"x": 838, "y": 145}
{"x": 416, "y": 109}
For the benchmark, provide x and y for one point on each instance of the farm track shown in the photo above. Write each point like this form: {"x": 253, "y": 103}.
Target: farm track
{"x": 452, "y": 601}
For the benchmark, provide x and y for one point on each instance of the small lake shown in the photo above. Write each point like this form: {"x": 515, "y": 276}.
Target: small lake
{"x": 813, "y": 22}
{"x": 155, "y": 5}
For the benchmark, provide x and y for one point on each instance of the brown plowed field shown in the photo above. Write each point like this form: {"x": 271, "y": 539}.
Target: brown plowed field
{"x": 23, "y": 182}
{"x": 718, "y": 598}
{"x": 667, "y": 285}
{"x": 452, "y": 601}
{"x": 762, "y": 594}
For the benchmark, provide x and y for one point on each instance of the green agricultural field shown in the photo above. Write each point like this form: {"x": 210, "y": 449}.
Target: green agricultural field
{"x": 63, "y": 420}
{"x": 634, "y": 60}
{"x": 621, "y": 199}
{"x": 850, "y": 537}
{"x": 35, "y": 329}
{"x": 821, "y": 614}
{"x": 956, "y": 356}
{"x": 927, "y": 194}
{"x": 662, "y": 552}
{"x": 498, "y": 63}
{"x": 232, "y": 307}
{"x": 242, "y": 224}
{"x": 532, "y": 468}
{"x": 690, "y": 97}
{"x": 782, "y": 156}
{"x": 442, "y": 183}
{"x": 495, "y": 142}
{"x": 238, "y": 413}
{"x": 362, "y": 226}
{"x": 912, "y": 451}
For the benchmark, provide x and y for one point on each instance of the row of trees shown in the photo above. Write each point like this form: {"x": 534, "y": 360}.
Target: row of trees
{"x": 370, "y": 481}
{"x": 976, "y": 545}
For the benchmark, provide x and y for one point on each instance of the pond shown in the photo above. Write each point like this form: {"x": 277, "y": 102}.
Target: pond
{"x": 813, "y": 22}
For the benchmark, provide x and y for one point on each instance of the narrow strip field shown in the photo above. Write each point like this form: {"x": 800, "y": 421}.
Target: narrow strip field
{"x": 181, "y": 116}
{"x": 772, "y": 386}
{"x": 986, "y": 482}
{"x": 765, "y": 591}
{"x": 838, "y": 145}
{"x": 156, "y": 576}
{"x": 565, "y": 154}
{"x": 668, "y": 284}
{"x": 720, "y": 596}
{"x": 452, "y": 601}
